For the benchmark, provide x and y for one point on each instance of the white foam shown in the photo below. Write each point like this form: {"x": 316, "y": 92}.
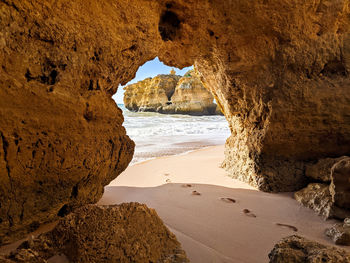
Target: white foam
{"x": 162, "y": 134}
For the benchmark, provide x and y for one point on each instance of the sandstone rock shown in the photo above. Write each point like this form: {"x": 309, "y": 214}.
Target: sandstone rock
{"x": 296, "y": 249}
{"x": 151, "y": 93}
{"x": 171, "y": 94}
{"x": 340, "y": 233}
{"x": 340, "y": 185}
{"x": 191, "y": 97}
{"x": 328, "y": 200}
{"x": 279, "y": 72}
{"x": 318, "y": 197}
{"x": 129, "y": 232}
{"x": 322, "y": 170}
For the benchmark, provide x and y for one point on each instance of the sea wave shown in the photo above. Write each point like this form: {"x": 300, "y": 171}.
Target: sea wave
{"x": 158, "y": 134}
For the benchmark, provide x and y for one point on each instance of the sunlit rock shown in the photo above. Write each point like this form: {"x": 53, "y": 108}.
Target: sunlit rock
{"x": 171, "y": 94}
{"x": 279, "y": 72}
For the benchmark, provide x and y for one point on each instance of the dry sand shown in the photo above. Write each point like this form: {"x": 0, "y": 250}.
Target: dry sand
{"x": 209, "y": 228}
{"x": 211, "y": 224}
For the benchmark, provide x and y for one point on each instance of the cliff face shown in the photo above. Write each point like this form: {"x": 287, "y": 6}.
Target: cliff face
{"x": 171, "y": 94}
{"x": 150, "y": 94}
{"x": 278, "y": 69}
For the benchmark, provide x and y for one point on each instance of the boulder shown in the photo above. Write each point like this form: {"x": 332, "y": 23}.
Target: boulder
{"x": 318, "y": 198}
{"x": 296, "y": 249}
{"x": 129, "y": 232}
{"x": 331, "y": 198}
{"x": 340, "y": 233}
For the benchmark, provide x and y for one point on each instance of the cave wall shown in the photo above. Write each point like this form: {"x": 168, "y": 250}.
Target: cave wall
{"x": 278, "y": 69}
{"x": 282, "y": 78}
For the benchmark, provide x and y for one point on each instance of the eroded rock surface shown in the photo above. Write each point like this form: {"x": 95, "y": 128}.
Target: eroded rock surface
{"x": 331, "y": 198}
{"x": 340, "y": 233}
{"x": 171, "y": 94}
{"x": 296, "y": 249}
{"x": 278, "y": 69}
{"x": 129, "y": 232}
{"x": 317, "y": 197}
{"x": 150, "y": 94}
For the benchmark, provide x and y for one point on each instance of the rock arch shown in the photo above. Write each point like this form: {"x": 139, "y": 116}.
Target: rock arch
{"x": 279, "y": 70}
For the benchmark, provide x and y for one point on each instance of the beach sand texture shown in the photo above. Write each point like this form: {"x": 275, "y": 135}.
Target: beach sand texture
{"x": 216, "y": 218}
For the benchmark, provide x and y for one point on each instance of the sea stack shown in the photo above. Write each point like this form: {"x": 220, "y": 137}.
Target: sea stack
{"x": 171, "y": 94}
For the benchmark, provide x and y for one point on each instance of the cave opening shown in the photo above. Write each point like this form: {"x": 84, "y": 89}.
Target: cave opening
{"x": 283, "y": 83}
{"x": 167, "y": 111}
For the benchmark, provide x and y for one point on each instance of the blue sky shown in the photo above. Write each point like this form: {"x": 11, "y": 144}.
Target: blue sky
{"x": 149, "y": 69}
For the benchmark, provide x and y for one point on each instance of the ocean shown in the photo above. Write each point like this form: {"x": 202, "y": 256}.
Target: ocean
{"x": 158, "y": 134}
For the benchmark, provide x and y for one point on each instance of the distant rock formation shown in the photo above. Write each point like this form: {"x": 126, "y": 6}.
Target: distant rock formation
{"x": 171, "y": 94}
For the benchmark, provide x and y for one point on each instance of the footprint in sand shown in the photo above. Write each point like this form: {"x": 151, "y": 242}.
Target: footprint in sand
{"x": 247, "y": 212}
{"x": 196, "y": 193}
{"x": 228, "y": 200}
{"x": 187, "y": 185}
{"x": 289, "y": 226}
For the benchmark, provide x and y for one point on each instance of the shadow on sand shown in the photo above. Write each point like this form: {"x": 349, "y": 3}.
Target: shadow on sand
{"x": 213, "y": 228}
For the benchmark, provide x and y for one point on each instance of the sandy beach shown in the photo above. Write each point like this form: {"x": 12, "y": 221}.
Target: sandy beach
{"x": 211, "y": 223}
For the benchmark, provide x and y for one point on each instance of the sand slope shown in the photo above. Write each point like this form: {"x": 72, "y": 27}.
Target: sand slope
{"x": 211, "y": 229}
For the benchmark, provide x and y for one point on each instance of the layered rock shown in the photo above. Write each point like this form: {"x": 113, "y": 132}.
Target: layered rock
{"x": 297, "y": 249}
{"x": 121, "y": 233}
{"x": 171, "y": 94}
{"x": 331, "y": 197}
{"x": 150, "y": 94}
{"x": 278, "y": 70}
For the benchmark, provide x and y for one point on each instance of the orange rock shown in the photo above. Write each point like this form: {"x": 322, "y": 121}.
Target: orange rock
{"x": 278, "y": 70}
